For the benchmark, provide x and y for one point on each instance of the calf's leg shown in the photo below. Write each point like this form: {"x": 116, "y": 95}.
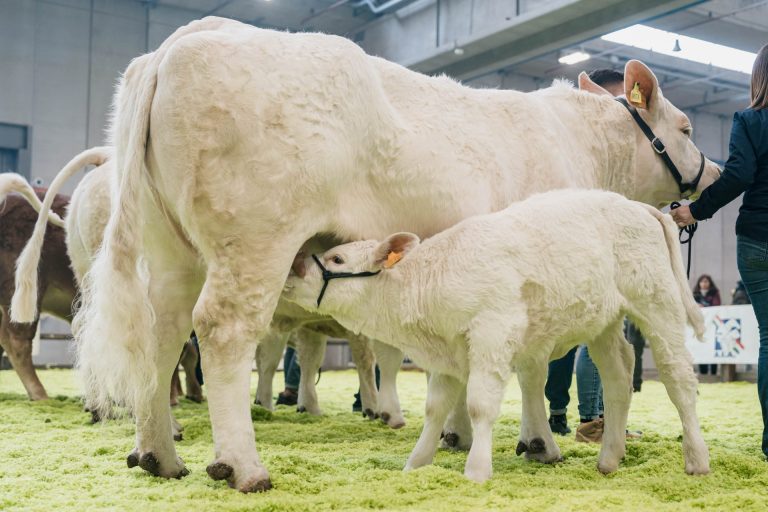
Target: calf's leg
{"x": 536, "y": 439}
{"x": 457, "y": 431}
{"x": 615, "y": 360}
{"x": 441, "y": 394}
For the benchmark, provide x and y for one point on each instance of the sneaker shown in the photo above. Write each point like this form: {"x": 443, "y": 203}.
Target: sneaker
{"x": 287, "y": 397}
{"x": 558, "y": 423}
{"x": 590, "y": 431}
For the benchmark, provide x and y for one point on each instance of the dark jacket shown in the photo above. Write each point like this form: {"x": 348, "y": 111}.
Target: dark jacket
{"x": 745, "y": 171}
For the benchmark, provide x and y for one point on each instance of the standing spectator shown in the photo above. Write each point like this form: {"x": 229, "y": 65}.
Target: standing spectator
{"x": 746, "y": 171}
{"x": 706, "y": 294}
{"x": 739, "y": 295}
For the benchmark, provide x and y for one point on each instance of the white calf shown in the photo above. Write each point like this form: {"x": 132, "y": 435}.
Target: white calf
{"x": 505, "y": 289}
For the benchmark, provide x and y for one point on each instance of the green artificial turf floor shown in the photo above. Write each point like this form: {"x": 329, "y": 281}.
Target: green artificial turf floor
{"x": 51, "y": 458}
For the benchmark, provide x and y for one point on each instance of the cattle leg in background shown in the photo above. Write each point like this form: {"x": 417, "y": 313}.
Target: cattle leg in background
{"x": 268, "y": 354}
{"x": 16, "y": 340}
{"x": 361, "y": 348}
{"x": 615, "y": 360}
{"x": 176, "y": 389}
{"x": 389, "y": 360}
{"x": 310, "y": 349}
{"x": 535, "y": 435}
{"x": 188, "y": 361}
{"x": 442, "y": 391}
{"x": 459, "y": 437}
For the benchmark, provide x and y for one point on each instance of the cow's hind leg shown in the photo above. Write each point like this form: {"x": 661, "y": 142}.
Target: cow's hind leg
{"x": 17, "y": 342}
{"x": 664, "y": 332}
{"x": 441, "y": 394}
{"x": 268, "y": 355}
{"x": 310, "y": 349}
{"x": 389, "y": 360}
{"x": 361, "y": 348}
{"x": 615, "y": 359}
{"x": 235, "y": 310}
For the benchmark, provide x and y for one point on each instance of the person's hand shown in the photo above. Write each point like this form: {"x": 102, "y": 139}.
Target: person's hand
{"x": 682, "y": 216}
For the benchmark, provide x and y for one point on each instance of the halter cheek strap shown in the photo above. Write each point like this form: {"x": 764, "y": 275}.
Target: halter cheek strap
{"x": 661, "y": 150}
{"x": 328, "y": 275}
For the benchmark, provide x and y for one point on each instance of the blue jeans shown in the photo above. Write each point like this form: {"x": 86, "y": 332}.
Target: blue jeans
{"x": 752, "y": 260}
{"x": 589, "y": 386}
{"x": 559, "y": 379}
{"x": 292, "y": 372}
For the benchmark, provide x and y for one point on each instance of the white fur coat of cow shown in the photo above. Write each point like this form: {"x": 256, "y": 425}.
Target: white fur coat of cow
{"x": 235, "y": 145}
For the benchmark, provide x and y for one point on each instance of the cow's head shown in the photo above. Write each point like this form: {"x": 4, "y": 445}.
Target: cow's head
{"x": 654, "y": 183}
{"x": 345, "y": 275}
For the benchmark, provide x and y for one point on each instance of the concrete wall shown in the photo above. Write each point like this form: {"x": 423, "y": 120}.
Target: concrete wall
{"x": 59, "y": 61}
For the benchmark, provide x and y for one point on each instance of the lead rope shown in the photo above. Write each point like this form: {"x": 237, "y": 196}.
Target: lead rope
{"x": 689, "y": 230}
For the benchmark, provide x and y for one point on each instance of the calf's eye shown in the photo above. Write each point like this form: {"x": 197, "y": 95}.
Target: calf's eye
{"x": 338, "y": 260}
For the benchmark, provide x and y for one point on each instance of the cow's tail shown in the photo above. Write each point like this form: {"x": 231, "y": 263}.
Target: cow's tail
{"x": 113, "y": 327}
{"x": 11, "y": 182}
{"x": 692, "y": 310}
{"x": 24, "y": 302}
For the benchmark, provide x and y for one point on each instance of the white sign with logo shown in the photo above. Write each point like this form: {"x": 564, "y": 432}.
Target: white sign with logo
{"x": 731, "y": 336}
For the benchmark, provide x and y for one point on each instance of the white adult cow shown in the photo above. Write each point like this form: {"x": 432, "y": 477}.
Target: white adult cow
{"x": 497, "y": 291}
{"x": 260, "y": 140}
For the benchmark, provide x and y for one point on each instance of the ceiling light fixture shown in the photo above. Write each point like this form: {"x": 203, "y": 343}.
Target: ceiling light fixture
{"x": 574, "y": 57}
{"x": 683, "y": 47}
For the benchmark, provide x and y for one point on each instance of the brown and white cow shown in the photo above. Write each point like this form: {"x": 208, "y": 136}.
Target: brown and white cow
{"x": 235, "y": 145}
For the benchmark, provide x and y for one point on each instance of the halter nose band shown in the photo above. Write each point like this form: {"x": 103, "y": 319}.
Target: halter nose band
{"x": 661, "y": 150}
{"x": 328, "y": 275}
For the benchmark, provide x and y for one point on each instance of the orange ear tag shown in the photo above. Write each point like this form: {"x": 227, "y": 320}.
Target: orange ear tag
{"x": 636, "y": 96}
{"x": 393, "y": 258}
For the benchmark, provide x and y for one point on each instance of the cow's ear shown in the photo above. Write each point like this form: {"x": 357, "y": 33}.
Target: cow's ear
{"x": 393, "y": 249}
{"x": 586, "y": 84}
{"x": 640, "y": 85}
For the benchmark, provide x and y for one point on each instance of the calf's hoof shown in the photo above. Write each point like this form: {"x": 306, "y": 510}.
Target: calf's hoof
{"x": 455, "y": 441}
{"x": 219, "y": 471}
{"x": 149, "y": 463}
{"x": 133, "y": 459}
{"x": 178, "y": 436}
{"x": 536, "y": 449}
{"x": 369, "y": 414}
{"x": 301, "y": 409}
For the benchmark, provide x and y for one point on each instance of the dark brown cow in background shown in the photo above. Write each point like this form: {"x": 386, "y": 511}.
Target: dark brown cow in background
{"x": 19, "y": 204}
{"x": 57, "y": 283}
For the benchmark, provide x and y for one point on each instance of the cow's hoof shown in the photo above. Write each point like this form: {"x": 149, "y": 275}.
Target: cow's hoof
{"x": 149, "y": 463}
{"x": 521, "y": 448}
{"x": 393, "y": 422}
{"x": 184, "y": 472}
{"x": 219, "y": 471}
{"x": 95, "y": 416}
{"x": 369, "y": 414}
{"x": 132, "y": 459}
{"x": 178, "y": 436}
{"x": 256, "y": 486}
{"x": 451, "y": 440}
{"x": 301, "y": 409}
{"x": 537, "y": 446}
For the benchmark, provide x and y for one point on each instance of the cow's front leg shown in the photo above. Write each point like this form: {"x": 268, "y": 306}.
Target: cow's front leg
{"x": 536, "y": 439}
{"x": 268, "y": 355}
{"x": 364, "y": 359}
{"x": 389, "y": 360}
{"x": 310, "y": 349}
{"x": 457, "y": 431}
{"x": 441, "y": 395}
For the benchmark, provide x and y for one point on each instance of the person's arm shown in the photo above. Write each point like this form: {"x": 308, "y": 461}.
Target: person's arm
{"x": 715, "y": 300}
{"x": 739, "y": 173}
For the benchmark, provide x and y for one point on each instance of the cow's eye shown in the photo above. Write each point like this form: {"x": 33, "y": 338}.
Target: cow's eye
{"x": 338, "y": 260}
{"x": 688, "y": 131}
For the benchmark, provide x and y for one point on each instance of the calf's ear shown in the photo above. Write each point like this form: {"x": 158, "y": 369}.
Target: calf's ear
{"x": 640, "y": 85}
{"x": 299, "y": 267}
{"x": 392, "y": 250}
{"x": 586, "y": 84}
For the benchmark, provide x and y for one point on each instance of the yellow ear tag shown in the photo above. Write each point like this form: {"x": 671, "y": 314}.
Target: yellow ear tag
{"x": 635, "y": 96}
{"x": 393, "y": 258}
